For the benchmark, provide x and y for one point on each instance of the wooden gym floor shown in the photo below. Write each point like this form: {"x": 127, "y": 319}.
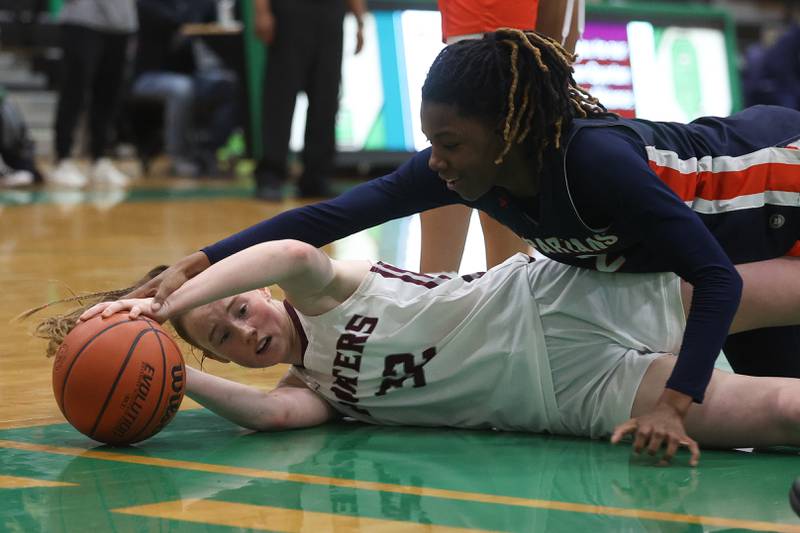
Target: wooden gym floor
{"x": 204, "y": 474}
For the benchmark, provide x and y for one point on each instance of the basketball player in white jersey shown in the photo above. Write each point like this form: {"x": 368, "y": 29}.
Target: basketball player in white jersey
{"x": 514, "y": 348}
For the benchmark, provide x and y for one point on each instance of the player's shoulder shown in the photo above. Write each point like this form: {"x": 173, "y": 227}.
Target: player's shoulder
{"x": 593, "y": 149}
{"x": 598, "y": 135}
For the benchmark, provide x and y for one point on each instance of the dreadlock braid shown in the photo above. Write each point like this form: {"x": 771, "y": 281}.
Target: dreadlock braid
{"x": 519, "y": 81}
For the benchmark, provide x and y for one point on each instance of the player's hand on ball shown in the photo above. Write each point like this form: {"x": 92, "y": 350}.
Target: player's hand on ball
{"x": 661, "y": 428}
{"x": 134, "y": 306}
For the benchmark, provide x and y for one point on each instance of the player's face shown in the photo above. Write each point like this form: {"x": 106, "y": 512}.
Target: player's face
{"x": 249, "y": 329}
{"x": 463, "y": 150}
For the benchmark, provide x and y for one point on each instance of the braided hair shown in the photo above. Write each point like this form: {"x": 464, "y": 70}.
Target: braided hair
{"x": 520, "y": 81}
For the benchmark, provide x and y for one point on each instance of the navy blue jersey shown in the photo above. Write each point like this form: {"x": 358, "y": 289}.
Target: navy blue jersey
{"x": 623, "y": 195}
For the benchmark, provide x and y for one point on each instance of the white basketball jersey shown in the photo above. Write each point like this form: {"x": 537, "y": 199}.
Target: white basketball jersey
{"x": 413, "y": 349}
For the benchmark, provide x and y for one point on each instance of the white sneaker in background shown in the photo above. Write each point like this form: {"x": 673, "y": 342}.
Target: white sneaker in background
{"x": 67, "y": 174}
{"x": 16, "y": 178}
{"x": 105, "y": 173}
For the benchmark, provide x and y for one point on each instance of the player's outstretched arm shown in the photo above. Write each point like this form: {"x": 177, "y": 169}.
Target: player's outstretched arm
{"x": 302, "y": 271}
{"x": 412, "y": 188}
{"x": 290, "y": 405}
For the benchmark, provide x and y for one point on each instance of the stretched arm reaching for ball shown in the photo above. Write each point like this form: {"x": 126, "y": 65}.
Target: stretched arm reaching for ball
{"x": 311, "y": 280}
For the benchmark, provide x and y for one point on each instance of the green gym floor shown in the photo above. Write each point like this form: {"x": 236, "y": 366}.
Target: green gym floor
{"x": 203, "y": 473}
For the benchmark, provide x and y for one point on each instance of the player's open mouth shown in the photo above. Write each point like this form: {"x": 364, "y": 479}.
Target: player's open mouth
{"x": 263, "y": 345}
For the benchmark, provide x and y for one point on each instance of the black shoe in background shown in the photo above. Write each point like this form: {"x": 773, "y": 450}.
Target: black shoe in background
{"x": 269, "y": 191}
{"x": 269, "y": 184}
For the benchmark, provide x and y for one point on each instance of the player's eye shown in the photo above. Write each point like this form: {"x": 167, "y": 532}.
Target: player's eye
{"x": 243, "y": 310}
{"x": 224, "y": 337}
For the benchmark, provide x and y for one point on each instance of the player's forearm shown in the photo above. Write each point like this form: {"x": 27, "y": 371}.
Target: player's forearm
{"x": 717, "y": 293}
{"x": 244, "y": 405}
{"x": 412, "y": 188}
{"x": 297, "y": 267}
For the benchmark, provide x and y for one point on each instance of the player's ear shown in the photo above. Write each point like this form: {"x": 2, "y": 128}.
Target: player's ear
{"x": 266, "y": 292}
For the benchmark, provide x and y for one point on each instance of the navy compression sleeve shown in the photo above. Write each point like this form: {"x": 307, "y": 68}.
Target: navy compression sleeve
{"x": 623, "y": 191}
{"x": 412, "y": 188}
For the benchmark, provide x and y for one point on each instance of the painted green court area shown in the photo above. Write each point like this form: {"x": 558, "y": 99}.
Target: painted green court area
{"x": 205, "y": 474}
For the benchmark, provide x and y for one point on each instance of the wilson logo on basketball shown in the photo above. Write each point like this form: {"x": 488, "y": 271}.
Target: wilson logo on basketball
{"x": 175, "y": 398}
{"x": 135, "y": 401}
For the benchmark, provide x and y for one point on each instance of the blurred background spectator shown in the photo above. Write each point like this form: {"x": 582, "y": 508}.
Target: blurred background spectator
{"x": 772, "y": 73}
{"x": 17, "y": 165}
{"x": 94, "y": 38}
{"x": 197, "y": 92}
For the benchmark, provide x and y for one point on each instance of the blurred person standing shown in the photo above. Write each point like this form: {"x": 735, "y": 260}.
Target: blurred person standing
{"x": 305, "y": 54}
{"x": 94, "y": 38}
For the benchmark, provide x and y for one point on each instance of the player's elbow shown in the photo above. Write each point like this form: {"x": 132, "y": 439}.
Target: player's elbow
{"x": 269, "y": 420}
{"x": 301, "y": 254}
{"x": 276, "y": 412}
{"x": 308, "y": 263}
{"x": 735, "y": 283}
{"x": 727, "y": 282}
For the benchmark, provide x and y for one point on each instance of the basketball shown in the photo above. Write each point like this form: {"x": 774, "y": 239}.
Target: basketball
{"x": 118, "y": 380}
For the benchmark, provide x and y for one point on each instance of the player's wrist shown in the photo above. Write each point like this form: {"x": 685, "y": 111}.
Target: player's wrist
{"x": 194, "y": 263}
{"x": 677, "y": 401}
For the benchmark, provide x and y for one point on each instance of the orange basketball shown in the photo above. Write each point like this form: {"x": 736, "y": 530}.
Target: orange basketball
{"x": 118, "y": 380}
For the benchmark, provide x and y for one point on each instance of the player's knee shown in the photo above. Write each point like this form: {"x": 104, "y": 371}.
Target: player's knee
{"x": 786, "y": 406}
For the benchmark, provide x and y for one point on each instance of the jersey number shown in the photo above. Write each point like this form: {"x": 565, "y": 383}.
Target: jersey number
{"x": 399, "y": 367}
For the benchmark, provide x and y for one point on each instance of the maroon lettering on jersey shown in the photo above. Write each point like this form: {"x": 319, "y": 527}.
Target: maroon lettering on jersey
{"x": 346, "y": 366}
{"x": 348, "y": 341}
{"x": 348, "y": 383}
{"x": 356, "y": 408}
{"x": 346, "y": 361}
{"x": 362, "y": 324}
{"x": 399, "y": 367}
{"x": 472, "y": 277}
{"x": 343, "y": 396}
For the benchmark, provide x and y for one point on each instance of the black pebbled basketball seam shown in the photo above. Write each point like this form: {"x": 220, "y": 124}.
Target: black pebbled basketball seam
{"x": 77, "y": 355}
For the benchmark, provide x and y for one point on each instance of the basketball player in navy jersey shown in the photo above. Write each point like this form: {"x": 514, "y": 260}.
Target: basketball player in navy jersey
{"x": 513, "y": 135}
{"x": 527, "y": 346}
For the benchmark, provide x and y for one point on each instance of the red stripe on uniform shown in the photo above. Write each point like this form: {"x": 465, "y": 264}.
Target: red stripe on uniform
{"x": 393, "y": 268}
{"x": 726, "y": 185}
{"x": 795, "y": 250}
{"x": 404, "y": 277}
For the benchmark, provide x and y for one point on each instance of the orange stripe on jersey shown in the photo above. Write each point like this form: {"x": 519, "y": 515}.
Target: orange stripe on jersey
{"x": 795, "y": 250}
{"x": 730, "y": 184}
